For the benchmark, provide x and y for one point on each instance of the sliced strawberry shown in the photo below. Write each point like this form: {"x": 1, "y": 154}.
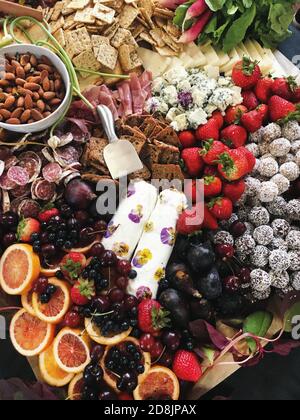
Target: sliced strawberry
{"x": 152, "y": 317}
{"x": 26, "y": 228}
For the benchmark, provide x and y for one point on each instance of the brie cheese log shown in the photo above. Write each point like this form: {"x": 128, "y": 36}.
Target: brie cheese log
{"x": 157, "y": 242}
{"x": 126, "y": 227}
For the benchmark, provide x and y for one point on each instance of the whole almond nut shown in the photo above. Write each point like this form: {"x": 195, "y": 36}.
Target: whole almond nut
{"x": 9, "y": 68}
{"x": 55, "y": 101}
{"x": 42, "y": 67}
{"x": 9, "y": 102}
{"x": 57, "y": 84}
{"x": 31, "y": 86}
{"x": 25, "y": 116}
{"x": 31, "y": 121}
{"x": 46, "y": 114}
{"x": 52, "y": 88}
{"x": 36, "y": 115}
{"x": 47, "y": 108}
{"x": 20, "y": 72}
{"x": 28, "y": 102}
{"x": 4, "y": 83}
{"x": 49, "y": 95}
{"x": 9, "y": 76}
{"x": 36, "y": 96}
{"x": 20, "y": 102}
{"x": 20, "y": 82}
{"x": 14, "y": 121}
{"x": 27, "y": 67}
{"x": 33, "y": 60}
{"x": 41, "y": 92}
{"x": 17, "y": 113}
{"x": 15, "y": 64}
{"x": 3, "y": 96}
{"x": 41, "y": 105}
{"x": 46, "y": 84}
{"x": 5, "y": 113}
{"x": 23, "y": 91}
{"x": 44, "y": 74}
{"x": 25, "y": 58}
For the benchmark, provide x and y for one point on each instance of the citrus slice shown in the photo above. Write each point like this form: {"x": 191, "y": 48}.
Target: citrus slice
{"x": 110, "y": 378}
{"x": 51, "y": 373}
{"x": 59, "y": 304}
{"x": 85, "y": 249}
{"x": 95, "y": 334}
{"x": 29, "y": 335}
{"x": 75, "y": 387}
{"x": 26, "y": 300}
{"x": 19, "y": 269}
{"x": 159, "y": 381}
{"x": 49, "y": 272}
{"x": 71, "y": 350}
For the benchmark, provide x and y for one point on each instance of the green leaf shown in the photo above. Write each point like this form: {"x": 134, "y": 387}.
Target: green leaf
{"x": 291, "y": 313}
{"x": 181, "y": 13}
{"x": 237, "y": 32}
{"x": 215, "y": 5}
{"x": 257, "y": 324}
{"x": 209, "y": 353}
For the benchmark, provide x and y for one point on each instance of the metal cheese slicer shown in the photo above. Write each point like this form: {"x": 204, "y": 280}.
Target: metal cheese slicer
{"x": 120, "y": 156}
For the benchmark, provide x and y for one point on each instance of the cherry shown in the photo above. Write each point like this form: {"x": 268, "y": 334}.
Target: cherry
{"x": 100, "y": 227}
{"x": 41, "y": 285}
{"x": 156, "y": 350}
{"x": 108, "y": 259}
{"x": 130, "y": 302}
{"x": 244, "y": 274}
{"x": 72, "y": 319}
{"x": 231, "y": 284}
{"x": 81, "y": 217}
{"x": 107, "y": 395}
{"x": 97, "y": 250}
{"x": 171, "y": 340}
{"x": 122, "y": 283}
{"x": 123, "y": 396}
{"x": 124, "y": 267}
{"x": 116, "y": 295}
{"x": 101, "y": 304}
{"x": 97, "y": 353}
{"x": 237, "y": 229}
{"x": 225, "y": 250}
{"x": 147, "y": 342}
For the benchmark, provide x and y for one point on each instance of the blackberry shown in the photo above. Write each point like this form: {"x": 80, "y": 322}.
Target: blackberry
{"x": 59, "y": 243}
{"x": 163, "y": 285}
{"x": 36, "y": 246}
{"x": 52, "y": 237}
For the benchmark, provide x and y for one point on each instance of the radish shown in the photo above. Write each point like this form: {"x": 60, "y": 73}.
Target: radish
{"x": 196, "y": 9}
{"x": 193, "y": 33}
{"x": 171, "y": 4}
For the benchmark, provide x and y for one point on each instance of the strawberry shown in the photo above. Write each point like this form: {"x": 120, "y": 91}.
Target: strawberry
{"x": 234, "y": 113}
{"x": 209, "y": 222}
{"x": 212, "y": 150}
{"x": 72, "y": 265}
{"x": 187, "y": 139}
{"x": 210, "y": 170}
{"x": 187, "y": 222}
{"x": 152, "y": 317}
{"x": 252, "y": 120}
{"x": 234, "y": 136}
{"x": 221, "y": 208}
{"x": 296, "y": 95}
{"x": 263, "y": 89}
{"x": 280, "y": 108}
{"x": 250, "y": 101}
{"x": 233, "y": 165}
{"x": 218, "y": 117}
{"x": 284, "y": 87}
{"x": 48, "y": 212}
{"x": 263, "y": 109}
{"x": 193, "y": 162}
{"x": 210, "y": 130}
{"x": 186, "y": 366}
{"x": 234, "y": 190}
{"x": 250, "y": 158}
{"x": 246, "y": 73}
{"x": 212, "y": 186}
{"x": 26, "y": 228}
{"x": 82, "y": 292}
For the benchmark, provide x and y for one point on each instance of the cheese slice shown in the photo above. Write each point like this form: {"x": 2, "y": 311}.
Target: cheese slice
{"x": 187, "y": 61}
{"x": 252, "y": 50}
{"x": 153, "y": 62}
{"x": 240, "y": 52}
{"x": 244, "y": 49}
{"x": 196, "y": 54}
{"x": 234, "y": 58}
{"x": 212, "y": 71}
{"x": 211, "y": 55}
{"x": 223, "y": 57}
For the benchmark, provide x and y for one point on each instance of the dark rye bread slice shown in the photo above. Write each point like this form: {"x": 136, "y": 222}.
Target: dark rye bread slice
{"x": 144, "y": 174}
{"x": 138, "y": 143}
{"x": 169, "y": 172}
{"x": 93, "y": 155}
{"x": 168, "y": 136}
{"x": 167, "y": 154}
{"x": 126, "y": 130}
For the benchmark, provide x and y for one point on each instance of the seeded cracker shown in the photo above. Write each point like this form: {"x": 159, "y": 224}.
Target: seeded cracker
{"x": 77, "y": 41}
{"x": 57, "y": 10}
{"x": 166, "y": 52}
{"x": 129, "y": 58}
{"x": 60, "y": 37}
{"x": 87, "y": 60}
{"x": 107, "y": 56}
{"x": 85, "y": 16}
{"x": 128, "y": 16}
{"x": 55, "y": 26}
{"x": 123, "y": 36}
{"x": 104, "y": 13}
{"x": 98, "y": 40}
{"x": 157, "y": 35}
{"x": 69, "y": 22}
{"x": 78, "y": 4}
{"x": 146, "y": 37}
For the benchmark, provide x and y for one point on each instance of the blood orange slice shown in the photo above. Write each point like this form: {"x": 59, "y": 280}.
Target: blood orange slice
{"x": 54, "y": 311}
{"x": 29, "y": 335}
{"x": 71, "y": 350}
{"x": 19, "y": 269}
{"x": 49, "y": 272}
{"x": 51, "y": 373}
{"x": 159, "y": 381}
{"x": 26, "y": 300}
{"x": 95, "y": 334}
{"x": 75, "y": 388}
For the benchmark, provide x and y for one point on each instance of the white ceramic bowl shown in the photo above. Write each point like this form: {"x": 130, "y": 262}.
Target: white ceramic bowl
{"x": 59, "y": 65}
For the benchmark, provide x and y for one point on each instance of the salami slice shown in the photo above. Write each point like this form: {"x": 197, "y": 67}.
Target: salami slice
{"x": 18, "y": 175}
{"x": 68, "y": 155}
{"x": 21, "y": 191}
{"x": 14, "y": 206}
{"x": 6, "y": 183}
{"x": 52, "y": 172}
{"x": 44, "y": 190}
{"x": 31, "y": 166}
{"x": 29, "y": 208}
{"x": 12, "y": 161}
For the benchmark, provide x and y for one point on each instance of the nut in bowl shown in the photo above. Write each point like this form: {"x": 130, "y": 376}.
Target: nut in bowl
{"x": 34, "y": 88}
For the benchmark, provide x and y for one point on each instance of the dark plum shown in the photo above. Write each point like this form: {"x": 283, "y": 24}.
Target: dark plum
{"x": 210, "y": 285}
{"x": 174, "y": 302}
{"x": 202, "y": 309}
{"x": 180, "y": 278}
{"x": 201, "y": 257}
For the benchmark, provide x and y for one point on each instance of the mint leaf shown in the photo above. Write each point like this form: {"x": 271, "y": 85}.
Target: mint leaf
{"x": 257, "y": 324}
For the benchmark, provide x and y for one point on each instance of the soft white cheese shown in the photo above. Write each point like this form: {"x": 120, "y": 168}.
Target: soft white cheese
{"x": 176, "y": 74}
{"x": 197, "y": 117}
{"x": 180, "y": 122}
{"x": 170, "y": 95}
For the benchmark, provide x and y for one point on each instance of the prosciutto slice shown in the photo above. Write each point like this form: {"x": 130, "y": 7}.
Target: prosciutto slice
{"x": 138, "y": 95}
{"x": 146, "y": 82}
{"x": 125, "y": 94}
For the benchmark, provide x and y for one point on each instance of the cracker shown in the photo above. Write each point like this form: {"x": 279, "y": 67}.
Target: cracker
{"x": 77, "y": 41}
{"x": 78, "y": 4}
{"x": 55, "y": 26}
{"x": 172, "y": 30}
{"x": 107, "y": 56}
{"x": 146, "y": 37}
{"x": 157, "y": 35}
{"x": 170, "y": 43}
{"x": 137, "y": 30}
{"x": 87, "y": 60}
{"x": 104, "y": 13}
{"x": 60, "y": 37}
{"x": 143, "y": 22}
{"x": 128, "y": 16}
{"x": 98, "y": 40}
{"x": 148, "y": 6}
{"x": 57, "y": 10}
{"x": 164, "y": 13}
{"x": 166, "y": 51}
{"x": 69, "y": 22}
{"x": 123, "y": 36}
{"x": 111, "y": 30}
{"x": 117, "y": 70}
{"x": 85, "y": 16}
{"x": 129, "y": 58}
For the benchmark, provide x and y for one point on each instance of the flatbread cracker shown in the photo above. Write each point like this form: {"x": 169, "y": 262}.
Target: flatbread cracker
{"x": 166, "y": 52}
{"x": 128, "y": 16}
{"x": 87, "y": 60}
{"x": 165, "y": 13}
{"x": 147, "y": 5}
{"x": 57, "y": 10}
{"x": 107, "y": 56}
{"x": 104, "y": 13}
{"x": 78, "y": 4}
{"x": 60, "y": 37}
{"x": 98, "y": 40}
{"x": 85, "y": 16}
{"x": 157, "y": 35}
{"x": 137, "y": 31}
{"x": 129, "y": 58}
{"x": 77, "y": 41}
{"x": 55, "y": 26}
{"x": 146, "y": 37}
{"x": 122, "y": 36}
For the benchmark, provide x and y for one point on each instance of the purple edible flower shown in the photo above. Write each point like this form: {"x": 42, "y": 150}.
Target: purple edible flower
{"x": 185, "y": 99}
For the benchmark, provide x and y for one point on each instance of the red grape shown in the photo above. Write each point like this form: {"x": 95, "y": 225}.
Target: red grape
{"x": 124, "y": 267}
{"x": 122, "y": 283}
{"x": 97, "y": 250}
{"x": 147, "y": 342}
{"x": 156, "y": 350}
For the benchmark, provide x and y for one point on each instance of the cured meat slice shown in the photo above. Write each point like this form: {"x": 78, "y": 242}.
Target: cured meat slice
{"x": 31, "y": 166}
{"x": 18, "y": 175}
{"x": 138, "y": 95}
{"x": 6, "y": 183}
{"x": 68, "y": 155}
{"x": 29, "y": 208}
{"x": 21, "y": 191}
{"x": 43, "y": 190}
{"x": 52, "y": 172}
{"x": 11, "y": 161}
{"x": 125, "y": 98}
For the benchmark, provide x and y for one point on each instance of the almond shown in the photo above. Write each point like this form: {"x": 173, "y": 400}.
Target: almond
{"x": 42, "y": 67}
{"x": 28, "y": 102}
{"x": 49, "y": 95}
{"x": 17, "y": 113}
{"x": 27, "y": 67}
{"x": 4, "y": 83}
{"x": 24, "y": 59}
{"x": 46, "y": 84}
{"x": 23, "y": 91}
{"x": 20, "y": 82}
{"x": 57, "y": 84}
{"x": 25, "y": 116}
{"x": 36, "y": 115}
{"x": 44, "y": 74}
{"x": 41, "y": 105}
{"x": 55, "y": 101}
{"x": 34, "y": 79}
{"x": 14, "y": 121}
{"x": 20, "y": 102}
{"x": 31, "y": 86}
{"x": 9, "y": 76}
{"x": 46, "y": 114}
{"x": 5, "y": 113}
{"x": 35, "y": 96}
{"x": 33, "y": 60}
{"x": 9, "y": 102}
{"x": 20, "y": 72}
